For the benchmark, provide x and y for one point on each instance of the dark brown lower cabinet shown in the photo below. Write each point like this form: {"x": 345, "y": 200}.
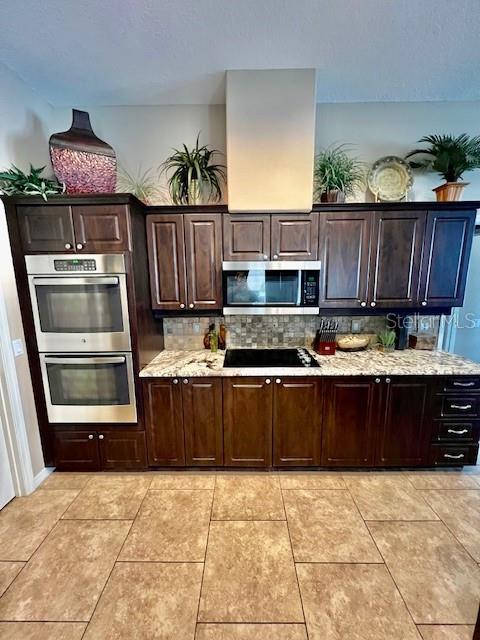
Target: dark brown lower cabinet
{"x": 247, "y": 422}
{"x": 94, "y": 450}
{"x": 403, "y": 434}
{"x": 203, "y": 421}
{"x": 164, "y": 422}
{"x": 349, "y": 424}
{"x": 297, "y": 421}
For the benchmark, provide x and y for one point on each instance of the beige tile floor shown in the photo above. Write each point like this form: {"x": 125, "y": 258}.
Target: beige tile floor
{"x": 243, "y": 556}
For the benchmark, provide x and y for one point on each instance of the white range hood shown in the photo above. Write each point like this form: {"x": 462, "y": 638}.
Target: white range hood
{"x": 270, "y": 140}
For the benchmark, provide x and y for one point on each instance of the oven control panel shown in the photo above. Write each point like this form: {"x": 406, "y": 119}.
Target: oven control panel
{"x": 75, "y": 264}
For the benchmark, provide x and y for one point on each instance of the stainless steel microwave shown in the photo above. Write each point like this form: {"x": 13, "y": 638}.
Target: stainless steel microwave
{"x": 271, "y": 288}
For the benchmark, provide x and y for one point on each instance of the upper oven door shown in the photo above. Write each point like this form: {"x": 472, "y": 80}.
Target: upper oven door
{"x": 89, "y": 389}
{"x": 270, "y": 288}
{"x": 80, "y": 313}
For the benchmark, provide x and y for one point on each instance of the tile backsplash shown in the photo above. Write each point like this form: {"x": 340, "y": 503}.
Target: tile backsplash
{"x": 262, "y": 331}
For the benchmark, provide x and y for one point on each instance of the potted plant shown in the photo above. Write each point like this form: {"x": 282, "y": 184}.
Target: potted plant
{"x": 194, "y": 178}
{"x": 450, "y": 156}
{"x": 336, "y": 174}
{"x": 386, "y": 340}
{"x": 14, "y": 182}
{"x": 143, "y": 185}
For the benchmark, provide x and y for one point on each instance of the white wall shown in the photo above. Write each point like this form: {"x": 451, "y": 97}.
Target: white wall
{"x": 26, "y": 122}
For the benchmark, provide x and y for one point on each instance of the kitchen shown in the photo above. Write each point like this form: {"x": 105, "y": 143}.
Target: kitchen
{"x": 244, "y": 407}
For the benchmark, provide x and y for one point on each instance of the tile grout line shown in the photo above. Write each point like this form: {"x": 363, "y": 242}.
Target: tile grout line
{"x": 205, "y": 557}
{"x": 294, "y": 564}
{"x": 115, "y": 562}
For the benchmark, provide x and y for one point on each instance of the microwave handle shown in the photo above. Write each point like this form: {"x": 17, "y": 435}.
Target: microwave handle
{"x": 88, "y": 360}
{"x": 74, "y": 280}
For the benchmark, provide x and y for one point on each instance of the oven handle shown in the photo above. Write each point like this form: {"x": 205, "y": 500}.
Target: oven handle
{"x": 94, "y": 360}
{"x": 75, "y": 281}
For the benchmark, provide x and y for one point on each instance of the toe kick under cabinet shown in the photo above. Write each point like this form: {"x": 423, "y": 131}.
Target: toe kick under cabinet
{"x": 342, "y": 422}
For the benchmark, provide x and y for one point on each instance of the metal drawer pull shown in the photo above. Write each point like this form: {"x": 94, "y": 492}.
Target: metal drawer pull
{"x": 463, "y": 384}
{"x": 450, "y": 455}
{"x": 458, "y": 431}
{"x": 463, "y": 407}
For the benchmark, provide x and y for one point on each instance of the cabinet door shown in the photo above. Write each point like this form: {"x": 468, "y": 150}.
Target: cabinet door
{"x": 46, "y": 229}
{"x": 122, "y": 449}
{"x": 203, "y": 245}
{"x": 345, "y": 255}
{"x": 164, "y": 422}
{"x": 203, "y": 423}
{"x": 166, "y": 256}
{"x": 446, "y": 253}
{"x": 101, "y": 228}
{"x": 247, "y": 419}
{"x": 349, "y": 418}
{"x": 294, "y": 237}
{"x": 396, "y": 256}
{"x": 76, "y": 450}
{"x": 246, "y": 237}
{"x": 297, "y": 422}
{"x": 403, "y": 436}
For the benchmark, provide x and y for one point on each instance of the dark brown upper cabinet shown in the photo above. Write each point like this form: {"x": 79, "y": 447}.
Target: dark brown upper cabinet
{"x": 294, "y": 237}
{"x": 297, "y": 422}
{"x": 345, "y": 254}
{"x": 395, "y": 258}
{"x": 203, "y": 250}
{"x": 446, "y": 253}
{"x": 246, "y": 237}
{"x": 270, "y": 237}
{"x": 77, "y": 228}
{"x": 101, "y": 228}
{"x": 185, "y": 256}
{"x": 166, "y": 255}
{"x": 46, "y": 229}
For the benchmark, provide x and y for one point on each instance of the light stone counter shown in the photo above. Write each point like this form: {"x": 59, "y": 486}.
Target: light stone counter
{"x": 192, "y": 364}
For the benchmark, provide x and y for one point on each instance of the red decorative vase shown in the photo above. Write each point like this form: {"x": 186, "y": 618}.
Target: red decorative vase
{"x": 83, "y": 162}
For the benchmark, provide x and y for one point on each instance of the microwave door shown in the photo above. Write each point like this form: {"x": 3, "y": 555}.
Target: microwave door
{"x": 74, "y": 313}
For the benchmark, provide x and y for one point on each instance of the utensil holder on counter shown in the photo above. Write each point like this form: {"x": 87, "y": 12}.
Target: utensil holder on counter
{"x": 326, "y": 348}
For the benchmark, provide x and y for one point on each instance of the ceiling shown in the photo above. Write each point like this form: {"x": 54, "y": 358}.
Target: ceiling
{"x": 148, "y": 52}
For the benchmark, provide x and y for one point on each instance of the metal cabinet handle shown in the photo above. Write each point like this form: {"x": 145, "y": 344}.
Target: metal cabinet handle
{"x": 377, "y": 380}
{"x": 191, "y": 305}
{"x": 101, "y": 436}
{"x": 90, "y": 436}
{"x": 278, "y": 381}
{"x": 424, "y": 303}
{"x": 387, "y": 380}
{"x": 363, "y": 303}
{"x": 265, "y": 257}
{"x": 373, "y": 304}
{"x": 267, "y": 381}
{"x": 463, "y": 407}
{"x": 175, "y": 381}
{"x": 182, "y": 306}
{"x": 68, "y": 245}
{"x": 275, "y": 257}
{"x": 456, "y": 383}
{"x": 185, "y": 381}
{"x": 457, "y": 431}
{"x": 79, "y": 245}
{"x": 450, "y": 455}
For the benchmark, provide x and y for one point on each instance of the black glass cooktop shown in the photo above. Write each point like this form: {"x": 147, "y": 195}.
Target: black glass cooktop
{"x": 269, "y": 358}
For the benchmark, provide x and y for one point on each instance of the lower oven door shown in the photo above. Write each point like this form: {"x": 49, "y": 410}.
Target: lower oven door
{"x": 89, "y": 389}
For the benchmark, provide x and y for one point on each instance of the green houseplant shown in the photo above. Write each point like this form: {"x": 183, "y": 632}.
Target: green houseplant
{"x": 386, "y": 340}
{"x": 337, "y": 174}
{"x": 195, "y": 178}
{"x": 14, "y": 182}
{"x": 450, "y": 156}
{"x": 144, "y": 185}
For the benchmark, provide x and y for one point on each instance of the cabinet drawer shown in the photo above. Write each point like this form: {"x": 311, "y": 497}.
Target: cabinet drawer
{"x": 457, "y": 430}
{"x": 461, "y": 405}
{"x": 462, "y": 384}
{"x": 453, "y": 455}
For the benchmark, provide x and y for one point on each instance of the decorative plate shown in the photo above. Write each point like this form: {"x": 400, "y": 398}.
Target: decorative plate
{"x": 390, "y": 178}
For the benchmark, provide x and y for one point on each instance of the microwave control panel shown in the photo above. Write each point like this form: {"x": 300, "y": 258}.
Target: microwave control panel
{"x": 75, "y": 264}
{"x": 310, "y": 288}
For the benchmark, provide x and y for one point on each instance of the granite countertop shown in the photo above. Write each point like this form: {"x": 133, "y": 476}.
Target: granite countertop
{"x": 201, "y": 363}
